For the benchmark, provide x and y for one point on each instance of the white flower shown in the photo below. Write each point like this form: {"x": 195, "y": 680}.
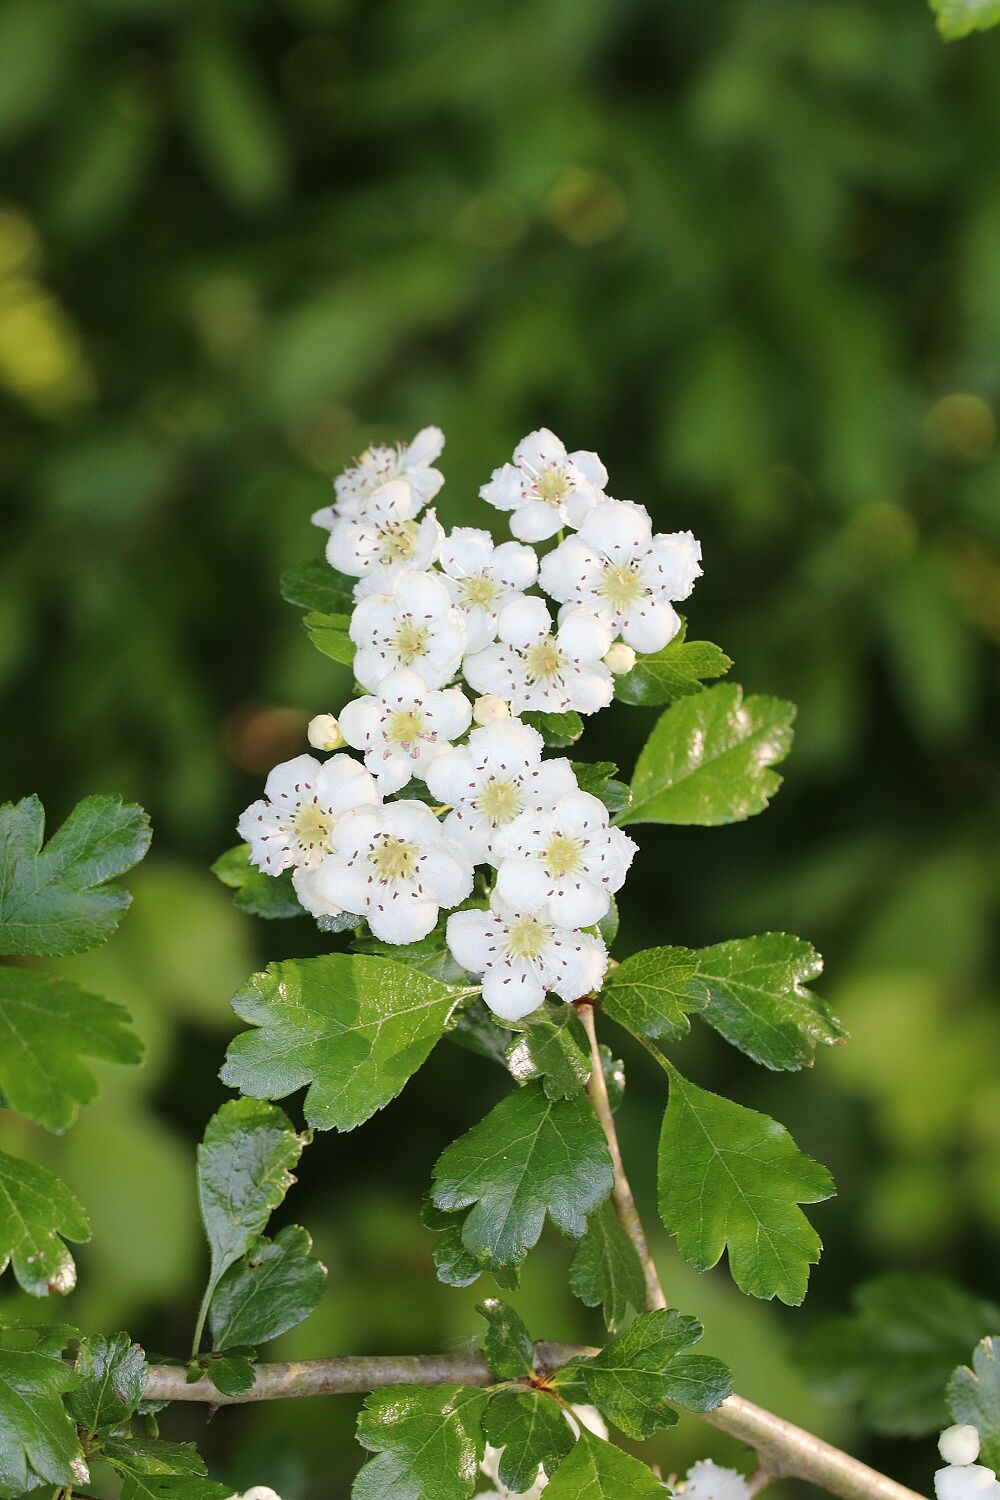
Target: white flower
{"x": 577, "y": 1416}
{"x": 395, "y": 866}
{"x": 414, "y": 627}
{"x": 565, "y": 858}
{"x": 324, "y": 733}
{"x": 380, "y": 463}
{"x": 535, "y": 668}
{"x": 303, "y": 798}
{"x": 404, "y": 726}
{"x": 481, "y": 577}
{"x": 959, "y": 1444}
{"x": 494, "y": 778}
{"x": 620, "y": 571}
{"x": 522, "y": 954}
{"x": 386, "y": 539}
{"x": 966, "y": 1482}
{"x": 709, "y": 1481}
{"x": 545, "y": 487}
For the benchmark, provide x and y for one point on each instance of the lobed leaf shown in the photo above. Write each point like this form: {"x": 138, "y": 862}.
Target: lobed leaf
{"x": 152, "y": 1470}
{"x": 753, "y": 992}
{"x": 680, "y": 669}
{"x": 530, "y": 1157}
{"x": 427, "y": 1443}
{"x": 57, "y": 900}
{"x": 974, "y": 1397}
{"x": 651, "y": 993}
{"x": 708, "y": 760}
{"x": 559, "y": 730}
{"x": 353, "y": 1028}
{"x": 110, "y": 1379}
{"x": 274, "y": 1288}
{"x": 38, "y": 1439}
{"x": 545, "y": 1047}
{"x": 329, "y": 633}
{"x": 260, "y": 895}
{"x": 35, "y": 1210}
{"x": 47, "y": 1027}
{"x": 530, "y": 1428}
{"x": 600, "y": 779}
{"x": 605, "y": 1270}
{"x": 730, "y": 1178}
{"x": 507, "y": 1344}
{"x": 317, "y": 586}
{"x": 596, "y": 1470}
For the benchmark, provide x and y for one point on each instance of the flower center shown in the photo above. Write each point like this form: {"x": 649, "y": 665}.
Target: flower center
{"x": 405, "y": 727}
{"x": 500, "y": 801}
{"x": 479, "y": 592}
{"x": 544, "y": 660}
{"x": 394, "y": 859}
{"x": 398, "y": 540}
{"x": 552, "y": 486}
{"x": 527, "y": 937}
{"x": 563, "y": 856}
{"x": 410, "y": 642}
{"x": 313, "y": 826}
{"x": 622, "y": 585}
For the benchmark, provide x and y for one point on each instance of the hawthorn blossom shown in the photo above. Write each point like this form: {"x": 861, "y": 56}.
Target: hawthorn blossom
{"x": 537, "y": 668}
{"x": 403, "y": 726}
{"x": 707, "y": 1480}
{"x": 303, "y": 798}
{"x": 577, "y": 1417}
{"x": 523, "y": 953}
{"x": 481, "y": 577}
{"x": 380, "y": 463}
{"x": 616, "y": 568}
{"x": 395, "y": 866}
{"x": 545, "y": 487}
{"x": 494, "y": 778}
{"x": 414, "y": 627}
{"x": 386, "y": 538}
{"x": 566, "y": 859}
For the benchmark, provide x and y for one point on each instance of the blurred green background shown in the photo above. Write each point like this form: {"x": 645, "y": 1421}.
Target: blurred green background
{"x": 748, "y": 250}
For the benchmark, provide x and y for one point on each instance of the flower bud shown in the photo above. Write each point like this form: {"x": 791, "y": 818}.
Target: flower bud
{"x": 959, "y": 1445}
{"x": 489, "y": 708}
{"x": 324, "y": 733}
{"x": 620, "y": 658}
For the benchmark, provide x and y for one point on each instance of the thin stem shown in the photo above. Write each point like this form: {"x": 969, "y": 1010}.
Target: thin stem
{"x": 621, "y": 1193}
{"x": 199, "y": 1327}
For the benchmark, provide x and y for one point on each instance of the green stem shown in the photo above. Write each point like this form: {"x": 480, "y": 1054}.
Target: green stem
{"x": 199, "y": 1327}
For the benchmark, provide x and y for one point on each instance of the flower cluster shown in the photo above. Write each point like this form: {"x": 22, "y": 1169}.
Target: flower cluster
{"x": 451, "y": 650}
{"x": 963, "y": 1478}
{"x": 707, "y": 1480}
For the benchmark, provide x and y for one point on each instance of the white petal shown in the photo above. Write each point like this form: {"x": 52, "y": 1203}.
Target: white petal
{"x": 552, "y": 780}
{"x": 618, "y": 528}
{"x": 577, "y": 964}
{"x": 422, "y": 594}
{"x": 505, "y": 489}
{"x": 578, "y": 903}
{"x": 289, "y": 783}
{"x": 523, "y": 883}
{"x": 676, "y": 556}
{"x": 425, "y": 447}
{"x": 340, "y": 886}
{"x": 470, "y": 936}
{"x": 350, "y": 546}
{"x": 590, "y": 467}
{"x": 466, "y": 550}
{"x": 398, "y": 917}
{"x": 566, "y": 568}
{"x": 446, "y": 876}
{"x": 539, "y": 450}
{"x": 649, "y": 626}
{"x": 621, "y": 852}
{"x": 343, "y": 784}
{"x": 492, "y": 670}
{"x": 515, "y": 565}
{"x": 309, "y": 894}
{"x": 507, "y": 743}
{"x": 512, "y": 990}
{"x": 583, "y": 635}
{"x": 449, "y": 712}
{"x": 359, "y": 721}
{"x": 592, "y": 688}
{"x": 524, "y": 620}
{"x": 535, "y": 521}
{"x": 391, "y": 768}
{"x": 581, "y": 814}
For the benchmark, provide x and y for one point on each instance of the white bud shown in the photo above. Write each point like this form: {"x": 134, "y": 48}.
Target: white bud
{"x": 966, "y": 1482}
{"x": 620, "y": 658}
{"x": 324, "y": 734}
{"x": 260, "y": 1492}
{"x": 489, "y": 708}
{"x": 959, "y": 1444}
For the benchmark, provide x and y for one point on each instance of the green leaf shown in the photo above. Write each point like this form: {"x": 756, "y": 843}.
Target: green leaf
{"x": 974, "y": 1397}
{"x": 605, "y": 1270}
{"x": 730, "y": 1177}
{"x": 353, "y": 1028}
{"x": 679, "y": 670}
{"x": 958, "y": 18}
{"x": 709, "y": 758}
{"x": 529, "y": 1157}
{"x": 544, "y": 1047}
{"x": 599, "y": 778}
{"x": 230, "y": 117}
{"x": 232, "y": 1374}
{"x": 894, "y": 1354}
{"x": 38, "y": 1440}
{"x": 651, "y": 994}
{"x": 261, "y": 895}
{"x": 595, "y": 1470}
{"x": 559, "y": 731}
{"x": 244, "y": 1171}
{"x": 47, "y": 1027}
{"x": 56, "y": 900}
{"x": 274, "y": 1288}
{"x": 753, "y": 992}
{"x": 507, "y": 1344}
{"x": 35, "y": 1209}
{"x": 427, "y": 1441}
{"x": 318, "y": 587}
{"x": 646, "y": 1367}
{"x": 530, "y": 1428}
{"x": 151, "y": 1470}
{"x": 329, "y": 634}
{"x": 614, "y": 1076}
{"x": 111, "y": 1376}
